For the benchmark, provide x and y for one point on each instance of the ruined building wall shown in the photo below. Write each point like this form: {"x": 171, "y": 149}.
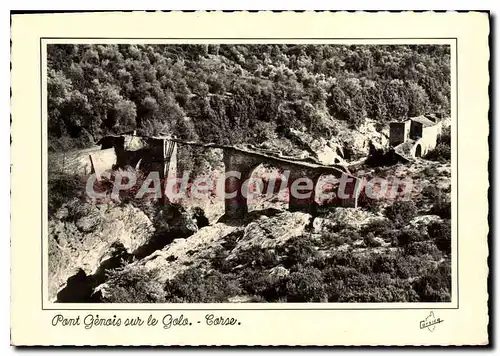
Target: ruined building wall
{"x": 429, "y": 138}
{"x": 102, "y": 160}
{"x": 416, "y": 130}
{"x": 399, "y": 132}
{"x": 171, "y": 158}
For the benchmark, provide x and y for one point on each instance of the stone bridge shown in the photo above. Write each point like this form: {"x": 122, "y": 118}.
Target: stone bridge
{"x": 415, "y": 137}
{"x": 160, "y": 154}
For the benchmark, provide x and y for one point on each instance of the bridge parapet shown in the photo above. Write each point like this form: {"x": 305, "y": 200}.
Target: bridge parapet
{"x": 159, "y": 154}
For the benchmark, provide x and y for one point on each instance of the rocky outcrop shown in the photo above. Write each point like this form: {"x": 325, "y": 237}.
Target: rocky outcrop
{"x": 326, "y": 152}
{"x": 82, "y": 236}
{"x": 268, "y": 232}
{"x": 179, "y": 221}
{"x": 424, "y": 220}
{"x": 341, "y": 217}
{"x": 201, "y": 248}
{"x": 359, "y": 142}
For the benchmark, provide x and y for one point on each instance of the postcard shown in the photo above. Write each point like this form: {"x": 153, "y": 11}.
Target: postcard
{"x": 210, "y": 178}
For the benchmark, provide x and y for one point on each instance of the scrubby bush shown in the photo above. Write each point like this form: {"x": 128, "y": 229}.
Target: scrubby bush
{"x": 401, "y": 212}
{"x": 440, "y": 232}
{"x": 430, "y": 191}
{"x": 346, "y": 236}
{"x": 61, "y": 189}
{"x": 408, "y": 266}
{"x": 441, "y": 153}
{"x": 372, "y": 205}
{"x": 422, "y": 248}
{"x": 305, "y": 285}
{"x": 442, "y": 208}
{"x": 297, "y": 251}
{"x": 384, "y": 264}
{"x": 407, "y": 236}
{"x": 133, "y": 285}
{"x": 370, "y": 241}
{"x": 256, "y": 257}
{"x": 194, "y": 286}
{"x": 262, "y": 284}
{"x": 382, "y": 289}
{"x": 219, "y": 260}
{"x": 445, "y": 137}
{"x": 435, "y": 285}
{"x": 380, "y": 228}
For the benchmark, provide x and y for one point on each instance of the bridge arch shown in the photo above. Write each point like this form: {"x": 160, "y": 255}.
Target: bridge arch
{"x": 150, "y": 154}
{"x": 267, "y": 187}
{"x": 418, "y": 150}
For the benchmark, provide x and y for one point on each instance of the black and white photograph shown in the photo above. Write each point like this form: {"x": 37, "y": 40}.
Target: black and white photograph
{"x": 267, "y": 179}
{"x": 249, "y": 173}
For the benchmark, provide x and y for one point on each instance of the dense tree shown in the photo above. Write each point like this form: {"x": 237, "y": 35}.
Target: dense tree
{"x": 220, "y": 92}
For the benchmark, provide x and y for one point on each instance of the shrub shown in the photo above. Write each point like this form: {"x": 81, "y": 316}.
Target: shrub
{"x": 373, "y": 278}
{"x": 350, "y": 235}
{"x": 441, "y": 233}
{"x": 442, "y": 208}
{"x": 133, "y": 285}
{"x": 305, "y": 285}
{"x": 445, "y": 137}
{"x": 334, "y": 290}
{"x": 441, "y": 153}
{"x": 219, "y": 261}
{"x": 297, "y": 251}
{"x": 256, "y": 257}
{"x": 430, "y": 191}
{"x": 366, "y": 288}
{"x": 372, "y": 205}
{"x": 408, "y": 266}
{"x": 61, "y": 189}
{"x": 335, "y": 273}
{"x": 384, "y": 264}
{"x": 193, "y": 286}
{"x": 401, "y": 212}
{"x": 381, "y": 228}
{"x": 261, "y": 284}
{"x": 408, "y": 236}
{"x": 422, "y": 248}
{"x": 363, "y": 288}
{"x": 435, "y": 285}
{"x": 347, "y": 236}
{"x": 231, "y": 240}
{"x": 370, "y": 241}
{"x": 430, "y": 172}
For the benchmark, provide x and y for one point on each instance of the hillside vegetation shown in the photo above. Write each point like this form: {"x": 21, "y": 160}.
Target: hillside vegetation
{"x": 237, "y": 93}
{"x": 322, "y": 100}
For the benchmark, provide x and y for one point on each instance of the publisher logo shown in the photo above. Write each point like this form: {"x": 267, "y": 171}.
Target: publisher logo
{"x": 430, "y": 322}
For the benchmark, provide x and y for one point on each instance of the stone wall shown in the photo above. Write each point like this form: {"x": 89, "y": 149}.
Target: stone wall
{"x": 102, "y": 160}
{"x": 429, "y": 138}
{"x": 399, "y": 132}
{"x": 425, "y": 137}
{"x": 242, "y": 164}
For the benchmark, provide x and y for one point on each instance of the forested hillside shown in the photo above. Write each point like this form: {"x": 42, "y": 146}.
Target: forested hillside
{"x": 236, "y": 93}
{"x": 309, "y": 101}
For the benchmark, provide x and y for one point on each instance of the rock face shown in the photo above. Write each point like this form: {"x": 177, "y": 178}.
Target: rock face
{"x": 359, "y": 142}
{"x": 199, "y": 249}
{"x": 177, "y": 220}
{"x": 82, "y": 236}
{"x": 342, "y": 217}
{"x": 326, "y": 152}
{"x": 278, "y": 272}
{"x": 267, "y": 232}
{"x": 424, "y": 220}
